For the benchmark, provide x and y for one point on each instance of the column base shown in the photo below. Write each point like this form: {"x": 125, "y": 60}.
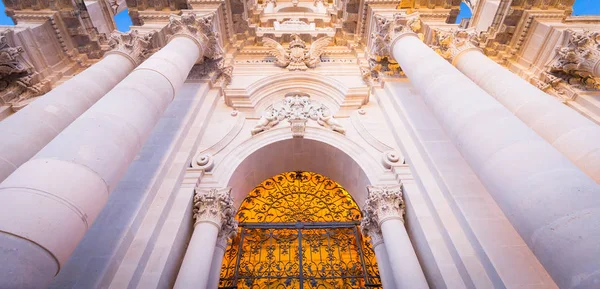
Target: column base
{"x": 24, "y": 264}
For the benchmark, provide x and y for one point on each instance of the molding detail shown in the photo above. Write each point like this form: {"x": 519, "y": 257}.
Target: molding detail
{"x": 200, "y": 29}
{"x": 297, "y": 57}
{"x": 383, "y": 203}
{"x": 214, "y": 206}
{"x": 132, "y": 45}
{"x": 452, "y": 43}
{"x": 578, "y": 61}
{"x": 297, "y": 109}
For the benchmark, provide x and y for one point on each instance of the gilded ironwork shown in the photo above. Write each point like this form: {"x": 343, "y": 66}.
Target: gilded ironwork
{"x": 299, "y": 230}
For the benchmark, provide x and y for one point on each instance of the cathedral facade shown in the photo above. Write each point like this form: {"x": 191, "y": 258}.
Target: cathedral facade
{"x": 299, "y": 144}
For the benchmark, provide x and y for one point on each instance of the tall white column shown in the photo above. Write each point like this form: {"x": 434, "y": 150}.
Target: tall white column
{"x": 554, "y": 206}
{"x": 217, "y": 259}
{"x": 51, "y": 200}
{"x": 384, "y": 211}
{"x": 214, "y": 218}
{"x": 574, "y": 135}
{"x": 372, "y": 230}
{"x": 27, "y": 131}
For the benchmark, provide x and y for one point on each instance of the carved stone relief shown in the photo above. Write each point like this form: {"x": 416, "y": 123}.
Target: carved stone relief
{"x": 200, "y": 29}
{"x": 297, "y": 56}
{"x": 578, "y": 61}
{"x": 297, "y": 108}
{"x": 450, "y": 43}
{"x": 383, "y": 203}
{"x": 215, "y": 206}
{"x": 135, "y": 46}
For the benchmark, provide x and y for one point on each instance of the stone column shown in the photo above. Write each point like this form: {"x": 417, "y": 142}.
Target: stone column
{"x": 544, "y": 195}
{"x": 50, "y": 201}
{"x": 214, "y": 215}
{"x": 227, "y": 232}
{"x": 372, "y": 230}
{"x": 27, "y": 131}
{"x": 384, "y": 211}
{"x": 571, "y": 133}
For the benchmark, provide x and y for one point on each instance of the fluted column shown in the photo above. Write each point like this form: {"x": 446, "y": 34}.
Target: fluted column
{"x": 384, "y": 211}
{"x": 372, "y": 230}
{"x": 27, "y": 131}
{"x": 571, "y": 133}
{"x": 50, "y": 201}
{"x": 545, "y": 196}
{"x": 214, "y": 218}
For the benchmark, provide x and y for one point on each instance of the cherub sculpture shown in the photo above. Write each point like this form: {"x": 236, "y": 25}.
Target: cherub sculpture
{"x": 297, "y": 56}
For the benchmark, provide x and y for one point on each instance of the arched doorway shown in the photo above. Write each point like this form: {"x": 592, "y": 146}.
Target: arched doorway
{"x": 299, "y": 230}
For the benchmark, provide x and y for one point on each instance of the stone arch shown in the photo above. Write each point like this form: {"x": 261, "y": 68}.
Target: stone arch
{"x": 321, "y": 151}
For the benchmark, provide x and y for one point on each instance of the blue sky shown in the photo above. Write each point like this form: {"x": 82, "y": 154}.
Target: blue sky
{"x": 581, "y": 7}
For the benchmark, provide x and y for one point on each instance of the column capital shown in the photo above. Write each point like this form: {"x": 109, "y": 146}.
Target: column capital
{"x": 388, "y": 31}
{"x": 370, "y": 227}
{"x": 451, "y": 44}
{"x": 132, "y": 45}
{"x": 578, "y": 60}
{"x": 200, "y": 29}
{"x": 229, "y": 228}
{"x": 214, "y": 206}
{"x": 383, "y": 203}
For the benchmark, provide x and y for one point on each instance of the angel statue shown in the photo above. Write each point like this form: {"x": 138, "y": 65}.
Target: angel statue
{"x": 296, "y": 57}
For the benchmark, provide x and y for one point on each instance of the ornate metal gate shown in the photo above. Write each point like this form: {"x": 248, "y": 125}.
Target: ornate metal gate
{"x": 315, "y": 243}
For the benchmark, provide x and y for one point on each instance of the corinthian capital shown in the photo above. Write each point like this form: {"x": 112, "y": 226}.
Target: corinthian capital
{"x": 578, "y": 60}
{"x": 200, "y": 29}
{"x": 389, "y": 30}
{"x": 132, "y": 45}
{"x": 384, "y": 203}
{"x": 11, "y": 61}
{"x": 214, "y": 206}
{"x": 452, "y": 43}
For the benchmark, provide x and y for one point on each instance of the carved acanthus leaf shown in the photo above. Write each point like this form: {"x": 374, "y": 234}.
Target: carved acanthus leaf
{"x": 383, "y": 203}
{"x": 451, "y": 43}
{"x": 578, "y": 61}
{"x": 214, "y": 206}
{"x": 297, "y": 109}
{"x": 387, "y": 30}
{"x": 11, "y": 62}
{"x": 137, "y": 47}
{"x": 201, "y": 29}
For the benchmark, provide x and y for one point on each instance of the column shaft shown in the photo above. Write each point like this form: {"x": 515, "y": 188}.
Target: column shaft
{"x": 577, "y": 137}
{"x": 26, "y": 132}
{"x": 552, "y": 203}
{"x": 195, "y": 269}
{"x": 215, "y": 268}
{"x": 405, "y": 267}
{"x": 383, "y": 264}
{"x": 52, "y": 199}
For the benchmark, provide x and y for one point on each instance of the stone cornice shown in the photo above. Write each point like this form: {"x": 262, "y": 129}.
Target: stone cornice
{"x": 132, "y": 45}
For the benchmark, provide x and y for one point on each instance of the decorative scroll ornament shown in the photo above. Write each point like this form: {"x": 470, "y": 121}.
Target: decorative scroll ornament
{"x": 297, "y": 57}
{"x": 204, "y": 162}
{"x": 214, "y": 206}
{"x": 386, "y": 31}
{"x": 384, "y": 203}
{"x": 297, "y": 109}
{"x": 451, "y": 43}
{"x": 200, "y": 29}
{"x": 578, "y": 62}
{"x": 391, "y": 158}
{"x": 131, "y": 44}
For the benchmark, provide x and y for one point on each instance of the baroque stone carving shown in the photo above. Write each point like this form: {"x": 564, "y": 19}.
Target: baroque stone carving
{"x": 131, "y": 44}
{"x": 391, "y": 158}
{"x": 212, "y": 68}
{"x": 200, "y": 29}
{"x": 451, "y": 43}
{"x": 369, "y": 227}
{"x": 386, "y": 31}
{"x": 11, "y": 62}
{"x": 297, "y": 57}
{"x": 382, "y": 204}
{"x": 297, "y": 109}
{"x": 578, "y": 62}
{"x": 214, "y": 206}
{"x": 204, "y": 161}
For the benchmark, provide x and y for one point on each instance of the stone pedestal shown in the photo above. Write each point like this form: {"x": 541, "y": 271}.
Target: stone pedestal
{"x": 544, "y": 195}
{"x": 214, "y": 215}
{"x": 26, "y": 132}
{"x": 384, "y": 210}
{"x": 52, "y": 200}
